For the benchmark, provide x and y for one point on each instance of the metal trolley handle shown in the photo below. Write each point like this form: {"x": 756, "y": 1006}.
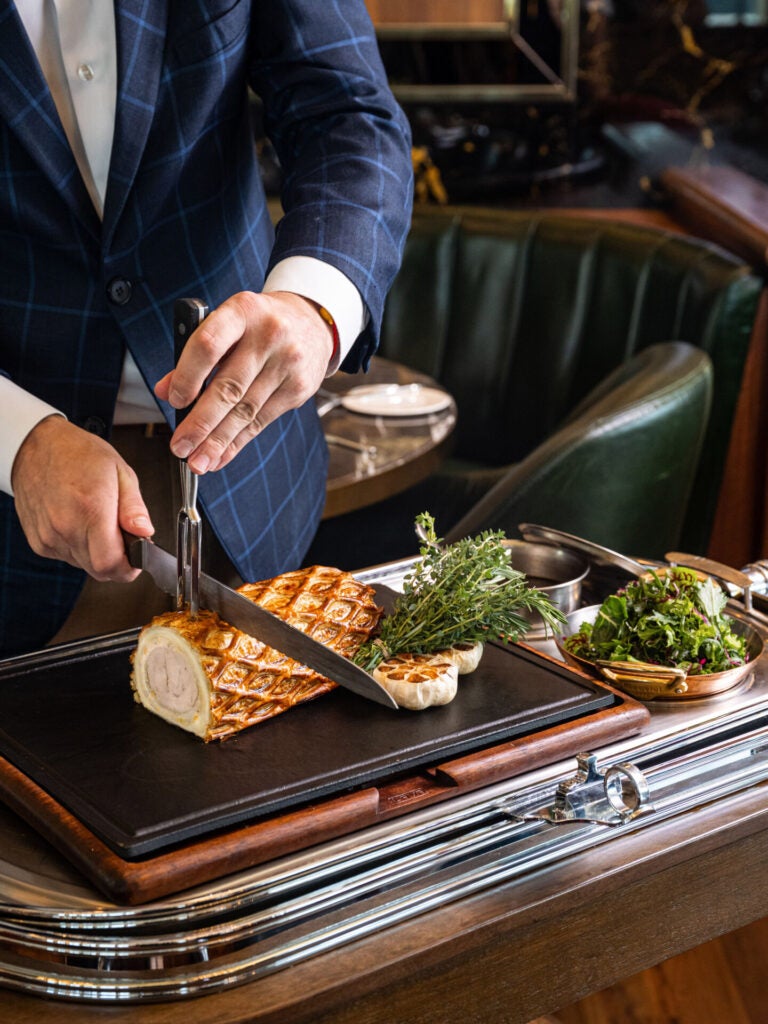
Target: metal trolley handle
{"x": 614, "y": 797}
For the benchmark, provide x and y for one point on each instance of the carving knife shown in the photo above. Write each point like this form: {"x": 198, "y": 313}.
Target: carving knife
{"x": 238, "y": 611}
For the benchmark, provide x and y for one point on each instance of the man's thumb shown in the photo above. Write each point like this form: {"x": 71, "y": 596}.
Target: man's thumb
{"x": 132, "y": 512}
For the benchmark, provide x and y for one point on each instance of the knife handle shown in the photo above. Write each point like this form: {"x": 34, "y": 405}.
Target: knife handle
{"x": 188, "y": 314}
{"x": 134, "y": 549}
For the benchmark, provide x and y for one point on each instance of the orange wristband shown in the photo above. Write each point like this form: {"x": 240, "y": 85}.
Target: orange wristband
{"x": 332, "y": 324}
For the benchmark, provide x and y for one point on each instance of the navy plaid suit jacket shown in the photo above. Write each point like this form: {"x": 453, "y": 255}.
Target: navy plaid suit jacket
{"x": 185, "y": 215}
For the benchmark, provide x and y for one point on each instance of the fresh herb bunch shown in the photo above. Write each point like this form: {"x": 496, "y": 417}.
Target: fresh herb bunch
{"x": 671, "y": 619}
{"x": 463, "y": 593}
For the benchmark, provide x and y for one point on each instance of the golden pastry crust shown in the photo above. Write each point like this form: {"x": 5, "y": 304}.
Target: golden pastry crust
{"x": 211, "y": 679}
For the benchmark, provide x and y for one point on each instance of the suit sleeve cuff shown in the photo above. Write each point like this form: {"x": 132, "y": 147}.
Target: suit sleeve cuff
{"x": 329, "y": 288}
{"x": 20, "y": 412}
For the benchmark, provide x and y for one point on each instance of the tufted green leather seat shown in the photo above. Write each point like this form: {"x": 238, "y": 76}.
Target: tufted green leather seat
{"x": 634, "y": 443}
{"x": 521, "y": 315}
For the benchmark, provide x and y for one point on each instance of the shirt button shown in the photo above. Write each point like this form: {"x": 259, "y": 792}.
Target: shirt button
{"x": 85, "y": 72}
{"x": 119, "y": 291}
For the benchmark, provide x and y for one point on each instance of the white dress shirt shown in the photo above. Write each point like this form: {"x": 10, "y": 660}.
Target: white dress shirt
{"x": 74, "y": 41}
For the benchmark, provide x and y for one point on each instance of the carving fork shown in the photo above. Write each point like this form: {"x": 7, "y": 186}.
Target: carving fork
{"x": 187, "y": 315}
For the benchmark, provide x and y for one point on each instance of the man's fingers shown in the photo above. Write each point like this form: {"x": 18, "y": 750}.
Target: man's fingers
{"x": 230, "y": 419}
{"x": 270, "y": 354}
{"x": 132, "y": 517}
{"x": 207, "y": 346}
{"x": 132, "y": 514}
{"x": 229, "y": 451}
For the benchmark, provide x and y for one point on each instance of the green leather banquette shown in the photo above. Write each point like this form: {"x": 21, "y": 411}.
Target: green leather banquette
{"x": 521, "y": 314}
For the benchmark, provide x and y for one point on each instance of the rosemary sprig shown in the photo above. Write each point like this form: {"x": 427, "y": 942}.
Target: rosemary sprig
{"x": 463, "y": 593}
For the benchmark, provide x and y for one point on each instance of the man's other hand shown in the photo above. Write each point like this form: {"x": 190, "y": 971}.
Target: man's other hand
{"x": 74, "y": 494}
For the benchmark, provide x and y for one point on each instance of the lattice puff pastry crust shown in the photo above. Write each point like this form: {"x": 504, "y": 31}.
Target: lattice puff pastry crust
{"x": 213, "y": 680}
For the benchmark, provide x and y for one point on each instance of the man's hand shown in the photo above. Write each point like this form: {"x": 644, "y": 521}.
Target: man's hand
{"x": 73, "y": 495}
{"x": 270, "y": 353}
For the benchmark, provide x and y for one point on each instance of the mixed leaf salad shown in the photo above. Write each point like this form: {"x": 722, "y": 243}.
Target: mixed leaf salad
{"x": 671, "y": 618}
{"x": 463, "y": 592}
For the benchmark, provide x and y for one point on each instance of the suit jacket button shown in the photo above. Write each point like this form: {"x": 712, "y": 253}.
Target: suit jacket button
{"x": 95, "y": 425}
{"x": 119, "y": 291}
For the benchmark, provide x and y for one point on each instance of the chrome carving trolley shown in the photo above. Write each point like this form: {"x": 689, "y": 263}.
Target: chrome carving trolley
{"x": 59, "y": 939}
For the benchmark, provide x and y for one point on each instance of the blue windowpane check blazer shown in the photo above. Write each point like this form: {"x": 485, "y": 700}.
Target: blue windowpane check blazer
{"x": 185, "y": 214}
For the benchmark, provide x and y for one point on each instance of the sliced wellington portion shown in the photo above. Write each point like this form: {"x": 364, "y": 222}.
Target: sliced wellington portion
{"x": 214, "y": 680}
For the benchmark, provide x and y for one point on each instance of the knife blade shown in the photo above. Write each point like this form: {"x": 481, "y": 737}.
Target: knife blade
{"x": 251, "y": 618}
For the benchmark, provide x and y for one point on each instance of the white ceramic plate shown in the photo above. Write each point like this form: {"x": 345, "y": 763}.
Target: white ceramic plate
{"x": 395, "y": 399}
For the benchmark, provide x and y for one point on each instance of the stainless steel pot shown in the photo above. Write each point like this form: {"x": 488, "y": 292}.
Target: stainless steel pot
{"x": 557, "y": 572}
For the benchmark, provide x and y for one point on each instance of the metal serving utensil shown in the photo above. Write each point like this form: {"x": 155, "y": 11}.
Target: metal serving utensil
{"x": 728, "y": 577}
{"x": 327, "y": 400}
{"x": 348, "y": 442}
{"x": 723, "y": 573}
{"x": 187, "y": 315}
{"x": 601, "y": 554}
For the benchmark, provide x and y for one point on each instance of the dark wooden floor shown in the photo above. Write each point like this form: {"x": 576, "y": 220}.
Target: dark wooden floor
{"x": 724, "y": 981}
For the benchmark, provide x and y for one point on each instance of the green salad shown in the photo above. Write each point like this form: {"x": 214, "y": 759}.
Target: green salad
{"x": 671, "y": 618}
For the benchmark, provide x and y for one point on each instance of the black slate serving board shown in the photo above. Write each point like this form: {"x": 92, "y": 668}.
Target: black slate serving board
{"x": 70, "y": 724}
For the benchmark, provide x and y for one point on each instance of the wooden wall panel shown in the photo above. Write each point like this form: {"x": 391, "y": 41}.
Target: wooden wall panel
{"x": 436, "y": 11}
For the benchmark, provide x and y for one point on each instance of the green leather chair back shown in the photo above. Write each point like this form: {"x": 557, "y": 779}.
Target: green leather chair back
{"x": 520, "y": 314}
{"x": 634, "y": 445}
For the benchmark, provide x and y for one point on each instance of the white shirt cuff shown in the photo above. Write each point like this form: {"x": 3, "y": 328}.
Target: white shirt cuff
{"x": 19, "y": 413}
{"x": 328, "y": 287}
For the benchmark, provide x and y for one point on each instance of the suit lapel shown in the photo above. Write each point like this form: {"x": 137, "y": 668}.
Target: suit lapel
{"x": 140, "y": 28}
{"x": 27, "y": 107}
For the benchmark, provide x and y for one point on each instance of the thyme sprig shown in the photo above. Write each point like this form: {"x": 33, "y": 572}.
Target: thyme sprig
{"x": 464, "y": 592}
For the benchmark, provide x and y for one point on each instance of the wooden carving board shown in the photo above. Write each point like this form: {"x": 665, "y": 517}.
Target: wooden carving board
{"x": 181, "y": 865}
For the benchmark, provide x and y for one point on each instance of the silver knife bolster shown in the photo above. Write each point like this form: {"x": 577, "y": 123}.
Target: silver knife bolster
{"x": 188, "y": 544}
